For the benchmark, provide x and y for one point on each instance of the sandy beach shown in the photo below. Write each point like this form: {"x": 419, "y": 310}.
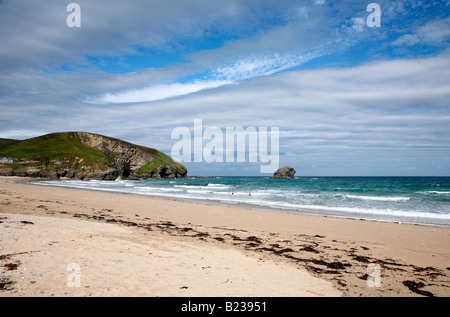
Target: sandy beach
{"x": 70, "y": 242}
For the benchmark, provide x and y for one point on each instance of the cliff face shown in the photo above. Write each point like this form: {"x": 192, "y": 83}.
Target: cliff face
{"x": 82, "y": 155}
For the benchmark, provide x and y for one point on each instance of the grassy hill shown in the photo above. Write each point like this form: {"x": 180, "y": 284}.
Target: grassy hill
{"x": 86, "y": 156}
{"x": 7, "y": 141}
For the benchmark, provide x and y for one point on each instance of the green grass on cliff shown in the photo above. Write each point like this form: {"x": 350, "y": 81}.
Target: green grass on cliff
{"x": 161, "y": 160}
{"x": 52, "y": 146}
{"x": 41, "y": 150}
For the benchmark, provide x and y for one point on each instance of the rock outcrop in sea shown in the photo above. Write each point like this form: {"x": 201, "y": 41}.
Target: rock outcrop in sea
{"x": 284, "y": 172}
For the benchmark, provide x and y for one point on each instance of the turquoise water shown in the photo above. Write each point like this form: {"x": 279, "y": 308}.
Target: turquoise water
{"x": 420, "y": 200}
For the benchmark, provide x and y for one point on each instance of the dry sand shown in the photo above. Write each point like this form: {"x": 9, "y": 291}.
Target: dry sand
{"x": 127, "y": 245}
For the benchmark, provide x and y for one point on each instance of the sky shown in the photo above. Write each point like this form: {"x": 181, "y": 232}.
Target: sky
{"x": 347, "y": 97}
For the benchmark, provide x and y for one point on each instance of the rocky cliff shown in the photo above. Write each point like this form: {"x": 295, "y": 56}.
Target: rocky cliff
{"x": 82, "y": 155}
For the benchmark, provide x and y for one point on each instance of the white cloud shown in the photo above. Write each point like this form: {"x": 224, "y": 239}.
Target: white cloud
{"x": 407, "y": 39}
{"x": 21, "y": 134}
{"x": 156, "y": 92}
{"x": 433, "y": 33}
{"x": 358, "y": 24}
{"x": 248, "y": 67}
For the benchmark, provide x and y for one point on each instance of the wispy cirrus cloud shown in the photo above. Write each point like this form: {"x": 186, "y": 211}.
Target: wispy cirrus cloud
{"x": 245, "y": 68}
{"x": 250, "y": 67}
{"x": 157, "y": 92}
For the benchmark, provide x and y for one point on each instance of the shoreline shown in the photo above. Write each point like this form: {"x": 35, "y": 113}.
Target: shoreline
{"x": 244, "y": 205}
{"x": 413, "y": 259}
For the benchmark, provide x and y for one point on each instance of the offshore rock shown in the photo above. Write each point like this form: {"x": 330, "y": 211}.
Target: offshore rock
{"x": 284, "y": 172}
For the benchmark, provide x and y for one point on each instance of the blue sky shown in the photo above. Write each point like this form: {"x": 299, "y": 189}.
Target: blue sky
{"x": 348, "y": 99}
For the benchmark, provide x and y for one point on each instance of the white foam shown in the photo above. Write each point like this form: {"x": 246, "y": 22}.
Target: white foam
{"x": 378, "y": 198}
{"x": 219, "y": 186}
{"x": 435, "y": 192}
{"x": 198, "y": 191}
{"x": 189, "y": 186}
{"x": 288, "y": 200}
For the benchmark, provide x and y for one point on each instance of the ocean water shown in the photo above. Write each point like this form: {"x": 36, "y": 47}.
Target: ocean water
{"x": 418, "y": 200}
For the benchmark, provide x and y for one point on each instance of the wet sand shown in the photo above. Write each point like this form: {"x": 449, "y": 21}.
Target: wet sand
{"x": 128, "y": 245}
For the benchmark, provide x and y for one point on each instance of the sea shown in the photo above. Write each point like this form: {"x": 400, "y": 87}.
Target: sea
{"x": 415, "y": 200}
